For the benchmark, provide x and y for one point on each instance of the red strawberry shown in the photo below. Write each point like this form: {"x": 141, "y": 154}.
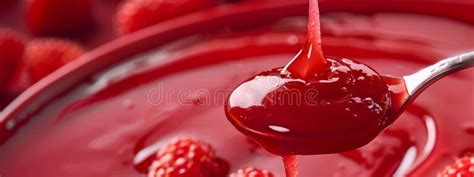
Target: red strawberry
{"x": 134, "y": 15}
{"x": 187, "y": 157}
{"x": 43, "y": 56}
{"x": 463, "y": 167}
{"x": 58, "y": 16}
{"x": 11, "y": 52}
{"x": 251, "y": 172}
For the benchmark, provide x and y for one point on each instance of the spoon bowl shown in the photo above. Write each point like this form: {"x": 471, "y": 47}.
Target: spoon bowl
{"x": 349, "y": 107}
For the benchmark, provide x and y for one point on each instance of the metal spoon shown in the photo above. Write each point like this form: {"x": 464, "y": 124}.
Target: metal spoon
{"x": 417, "y": 82}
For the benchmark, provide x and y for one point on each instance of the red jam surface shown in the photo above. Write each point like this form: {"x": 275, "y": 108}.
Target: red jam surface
{"x": 334, "y": 111}
{"x": 111, "y": 124}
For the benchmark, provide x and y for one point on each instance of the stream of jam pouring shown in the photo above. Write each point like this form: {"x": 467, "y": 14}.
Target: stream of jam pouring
{"x": 310, "y": 60}
{"x": 313, "y": 105}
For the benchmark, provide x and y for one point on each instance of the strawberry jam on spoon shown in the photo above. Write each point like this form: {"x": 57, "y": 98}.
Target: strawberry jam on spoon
{"x": 314, "y": 105}
{"x": 319, "y": 105}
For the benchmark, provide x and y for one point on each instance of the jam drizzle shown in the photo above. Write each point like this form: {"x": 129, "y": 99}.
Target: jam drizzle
{"x": 310, "y": 60}
{"x": 291, "y": 165}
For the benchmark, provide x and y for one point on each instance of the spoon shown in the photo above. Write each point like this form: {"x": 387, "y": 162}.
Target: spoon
{"x": 417, "y": 82}
{"x": 319, "y": 105}
{"x": 348, "y": 112}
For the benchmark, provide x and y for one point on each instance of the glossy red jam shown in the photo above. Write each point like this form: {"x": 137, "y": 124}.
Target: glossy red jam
{"x": 337, "y": 110}
{"x": 109, "y": 124}
{"x": 314, "y": 105}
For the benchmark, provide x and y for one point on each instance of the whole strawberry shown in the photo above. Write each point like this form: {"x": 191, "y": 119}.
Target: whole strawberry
{"x": 43, "y": 56}
{"x": 251, "y": 172}
{"x": 11, "y": 52}
{"x": 58, "y": 16}
{"x": 187, "y": 157}
{"x": 133, "y": 15}
{"x": 463, "y": 167}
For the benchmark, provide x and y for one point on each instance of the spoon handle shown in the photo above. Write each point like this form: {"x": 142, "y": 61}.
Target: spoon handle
{"x": 417, "y": 82}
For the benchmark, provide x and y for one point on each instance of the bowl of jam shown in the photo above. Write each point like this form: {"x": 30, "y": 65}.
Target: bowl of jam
{"x": 112, "y": 110}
